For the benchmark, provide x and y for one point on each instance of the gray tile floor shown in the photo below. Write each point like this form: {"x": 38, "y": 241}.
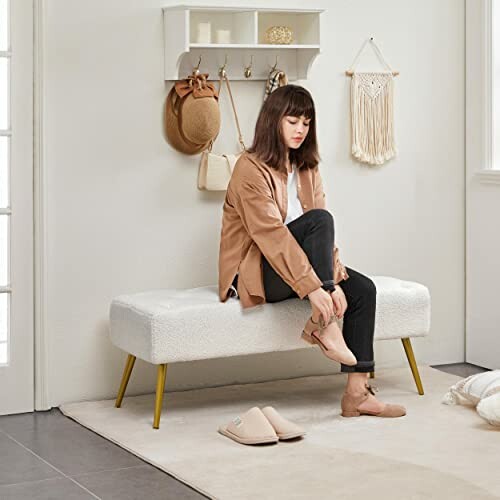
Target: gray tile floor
{"x": 44, "y": 455}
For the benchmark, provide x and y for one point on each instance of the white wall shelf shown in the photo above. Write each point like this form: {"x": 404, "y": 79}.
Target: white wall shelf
{"x": 247, "y": 28}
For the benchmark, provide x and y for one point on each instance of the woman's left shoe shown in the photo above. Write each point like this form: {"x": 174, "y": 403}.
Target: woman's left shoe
{"x": 351, "y": 402}
{"x": 342, "y": 354}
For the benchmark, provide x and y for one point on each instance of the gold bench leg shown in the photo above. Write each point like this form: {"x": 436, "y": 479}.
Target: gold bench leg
{"x": 125, "y": 378}
{"x": 160, "y": 387}
{"x": 413, "y": 364}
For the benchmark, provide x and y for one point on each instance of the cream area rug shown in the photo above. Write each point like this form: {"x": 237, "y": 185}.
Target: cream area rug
{"x": 434, "y": 452}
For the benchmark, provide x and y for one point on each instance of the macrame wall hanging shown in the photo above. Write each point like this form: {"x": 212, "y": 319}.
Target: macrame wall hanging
{"x": 372, "y": 112}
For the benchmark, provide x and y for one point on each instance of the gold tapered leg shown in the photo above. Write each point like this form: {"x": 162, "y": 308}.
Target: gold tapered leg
{"x": 372, "y": 374}
{"x": 413, "y": 364}
{"x": 160, "y": 387}
{"x": 125, "y": 378}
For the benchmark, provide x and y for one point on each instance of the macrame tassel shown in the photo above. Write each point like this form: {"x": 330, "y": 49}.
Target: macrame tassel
{"x": 372, "y": 123}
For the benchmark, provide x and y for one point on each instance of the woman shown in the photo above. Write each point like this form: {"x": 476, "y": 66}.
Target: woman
{"x": 277, "y": 242}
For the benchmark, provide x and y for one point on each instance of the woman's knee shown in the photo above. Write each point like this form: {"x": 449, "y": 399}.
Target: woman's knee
{"x": 361, "y": 288}
{"x": 368, "y": 289}
{"x": 321, "y": 215}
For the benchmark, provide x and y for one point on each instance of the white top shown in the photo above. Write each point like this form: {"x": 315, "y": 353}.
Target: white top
{"x": 294, "y": 209}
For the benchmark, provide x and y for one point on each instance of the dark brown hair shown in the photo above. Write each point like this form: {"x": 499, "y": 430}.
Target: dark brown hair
{"x": 268, "y": 144}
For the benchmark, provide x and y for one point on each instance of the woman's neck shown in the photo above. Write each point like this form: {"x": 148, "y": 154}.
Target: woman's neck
{"x": 288, "y": 165}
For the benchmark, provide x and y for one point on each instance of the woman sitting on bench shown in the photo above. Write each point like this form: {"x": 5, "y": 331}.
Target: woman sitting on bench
{"x": 277, "y": 242}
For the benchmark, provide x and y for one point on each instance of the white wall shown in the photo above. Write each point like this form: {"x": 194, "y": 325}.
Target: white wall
{"x": 125, "y": 214}
{"x": 483, "y": 201}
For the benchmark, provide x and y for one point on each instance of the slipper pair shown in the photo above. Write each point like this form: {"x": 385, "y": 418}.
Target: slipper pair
{"x": 258, "y": 426}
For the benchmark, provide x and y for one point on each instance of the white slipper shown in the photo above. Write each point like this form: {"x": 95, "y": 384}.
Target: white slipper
{"x": 250, "y": 428}
{"x": 283, "y": 427}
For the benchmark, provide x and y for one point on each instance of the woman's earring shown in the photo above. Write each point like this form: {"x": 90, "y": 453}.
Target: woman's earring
{"x": 248, "y": 69}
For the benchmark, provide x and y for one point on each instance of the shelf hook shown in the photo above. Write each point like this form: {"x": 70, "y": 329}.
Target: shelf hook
{"x": 222, "y": 69}
{"x": 196, "y": 69}
{"x": 275, "y": 64}
{"x": 248, "y": 69}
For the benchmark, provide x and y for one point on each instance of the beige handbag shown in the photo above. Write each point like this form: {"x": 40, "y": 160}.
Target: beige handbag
{"x": 215, "y": 169}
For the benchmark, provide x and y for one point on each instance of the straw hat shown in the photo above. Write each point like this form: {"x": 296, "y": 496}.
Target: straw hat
{"x": 192, "y": 115}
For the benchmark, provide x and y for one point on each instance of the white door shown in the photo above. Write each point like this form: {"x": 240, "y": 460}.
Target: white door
{"x": 16, "y": 206}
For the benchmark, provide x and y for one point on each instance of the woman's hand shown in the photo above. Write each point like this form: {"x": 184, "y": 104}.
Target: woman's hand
{"x": 339, "y": 301}
{"x": 321, "y": 301}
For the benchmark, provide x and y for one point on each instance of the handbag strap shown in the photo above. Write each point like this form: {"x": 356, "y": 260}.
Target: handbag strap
{"x": 240, "y": 135}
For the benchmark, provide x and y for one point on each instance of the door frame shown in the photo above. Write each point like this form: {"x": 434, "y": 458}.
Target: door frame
{"x": 40, "y": 190}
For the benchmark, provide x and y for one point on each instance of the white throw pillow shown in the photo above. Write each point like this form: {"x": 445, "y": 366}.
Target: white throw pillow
{"x": 481, "y": 390}
{"x": 489, "y": 409}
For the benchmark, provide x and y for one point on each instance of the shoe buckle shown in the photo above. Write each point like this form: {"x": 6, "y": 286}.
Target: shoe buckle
{"x": 324, "y": 324}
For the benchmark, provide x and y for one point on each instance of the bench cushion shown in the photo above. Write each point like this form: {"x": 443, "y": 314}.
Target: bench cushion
{"x": 170, "y": 325}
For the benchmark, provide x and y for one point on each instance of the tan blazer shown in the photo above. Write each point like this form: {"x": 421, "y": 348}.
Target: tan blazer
{"x": 253, "y": 224}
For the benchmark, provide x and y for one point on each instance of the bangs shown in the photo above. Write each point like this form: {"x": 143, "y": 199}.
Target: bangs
{"x": 300, "y": 103}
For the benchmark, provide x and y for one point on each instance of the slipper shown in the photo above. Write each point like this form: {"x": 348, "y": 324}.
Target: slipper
{"x": 250, "y": 428}
{"x": 283, "y": 427}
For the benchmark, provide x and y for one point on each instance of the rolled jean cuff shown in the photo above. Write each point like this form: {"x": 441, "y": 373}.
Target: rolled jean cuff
{"x": 360, "y": 367}
{"x": 328, "y": 285}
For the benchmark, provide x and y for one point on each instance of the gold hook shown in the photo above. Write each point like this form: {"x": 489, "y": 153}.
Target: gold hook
{"x": 275, "y": 64}
{"x": 222, "y": 69}
{"x": 248, "y": 69}
{"x": 196, "y": 69}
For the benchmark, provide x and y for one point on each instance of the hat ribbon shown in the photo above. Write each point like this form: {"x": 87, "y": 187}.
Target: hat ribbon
{"x": 198, "y": 85}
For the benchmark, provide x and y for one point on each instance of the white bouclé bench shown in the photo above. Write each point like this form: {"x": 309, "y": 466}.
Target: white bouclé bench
{"x": 172, "y": 325}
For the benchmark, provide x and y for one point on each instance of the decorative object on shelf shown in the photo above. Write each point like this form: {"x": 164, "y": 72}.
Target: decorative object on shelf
{"x": 279, "y": 35}
{"x": 204, "y": 33}
{"x": 223, "y": 36}
{"x": 372, "y": 112}
{"x": 192, "y": 115}
{"x": 248, "y": 69}
{"x": 215, "y": 170}
{"x": 277, "y": 78}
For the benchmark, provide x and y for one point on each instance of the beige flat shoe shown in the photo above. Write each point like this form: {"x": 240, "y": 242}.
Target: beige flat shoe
{"x": 252, "y": 427}
{"x": 343, "y": 355}
{"x": 283, "y": 427}
{"x": 351, "y": 402}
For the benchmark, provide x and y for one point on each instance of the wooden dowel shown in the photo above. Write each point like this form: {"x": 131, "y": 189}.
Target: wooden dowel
{"x": 350, "y": 73}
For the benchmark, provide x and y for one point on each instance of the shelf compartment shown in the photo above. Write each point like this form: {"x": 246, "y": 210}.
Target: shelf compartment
{"x": 241, "y": 25}
{"x": 304, "y": 25}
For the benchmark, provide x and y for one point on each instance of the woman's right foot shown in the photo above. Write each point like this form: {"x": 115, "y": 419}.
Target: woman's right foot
{"x": 357, "y": 403}
{"x": 330, "y": 340}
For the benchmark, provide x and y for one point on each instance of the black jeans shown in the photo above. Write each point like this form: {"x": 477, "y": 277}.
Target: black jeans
{"x": 314, "y": 231}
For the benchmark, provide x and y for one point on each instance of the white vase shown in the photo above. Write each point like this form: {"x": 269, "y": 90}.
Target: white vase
{"x": 223, "y": 36}
{"x": 204, "y": 33}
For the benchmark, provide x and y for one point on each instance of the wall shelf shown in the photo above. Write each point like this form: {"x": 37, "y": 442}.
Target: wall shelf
{"x": 247, "y": 27}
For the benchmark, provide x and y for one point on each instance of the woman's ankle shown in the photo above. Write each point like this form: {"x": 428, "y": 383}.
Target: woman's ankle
{"x": 356, "y": 383}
